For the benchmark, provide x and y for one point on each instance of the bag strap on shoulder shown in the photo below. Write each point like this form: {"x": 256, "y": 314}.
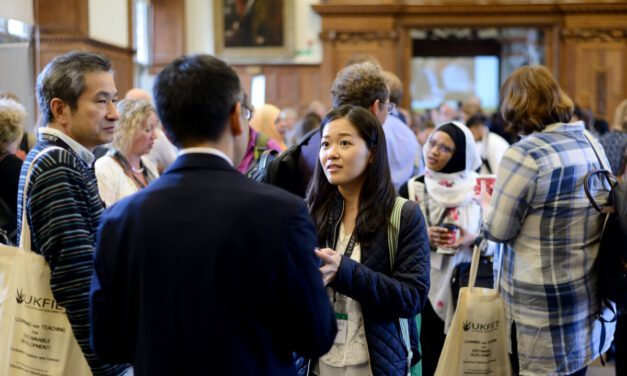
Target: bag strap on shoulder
{"x": 261, "y": 145}
{"x": 605, "y": 171}
{"x": 393, "y": 231}
{"x": 25, "y": 242}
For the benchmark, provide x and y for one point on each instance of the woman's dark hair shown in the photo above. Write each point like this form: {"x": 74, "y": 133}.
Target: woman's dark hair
{"x": 532, "y": 99}
{"x": 377, "y": 193}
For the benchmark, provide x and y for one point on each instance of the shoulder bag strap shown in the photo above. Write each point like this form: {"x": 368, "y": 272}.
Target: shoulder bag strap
{"x": 605, "y": 171}
{"x": 393, "y": 231}
{"x": 25, "y": 242}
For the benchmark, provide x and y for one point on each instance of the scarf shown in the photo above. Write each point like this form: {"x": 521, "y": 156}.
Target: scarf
{"x": 453, "y": 185}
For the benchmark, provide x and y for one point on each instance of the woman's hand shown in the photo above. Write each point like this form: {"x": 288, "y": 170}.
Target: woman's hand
{"x": 466, "y": 239}
{"x": 439, "y": 237}
{"x": 331, "y": 263}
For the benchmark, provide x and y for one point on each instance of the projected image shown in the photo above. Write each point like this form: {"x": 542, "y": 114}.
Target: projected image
{"x": 453, "y": 79}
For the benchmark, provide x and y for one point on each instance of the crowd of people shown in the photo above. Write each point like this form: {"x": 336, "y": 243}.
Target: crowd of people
{"x": 169, "y": 260}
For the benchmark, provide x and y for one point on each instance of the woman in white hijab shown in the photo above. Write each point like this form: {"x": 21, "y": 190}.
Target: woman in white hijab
{"x": 453, "y": 215}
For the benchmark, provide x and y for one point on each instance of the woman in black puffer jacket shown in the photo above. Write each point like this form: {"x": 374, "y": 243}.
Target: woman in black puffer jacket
{"x": 351, "y": 199}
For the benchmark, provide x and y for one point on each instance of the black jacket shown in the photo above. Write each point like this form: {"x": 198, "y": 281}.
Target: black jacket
{"x": 385, "y": 293}
{"x": 207, "y": 272}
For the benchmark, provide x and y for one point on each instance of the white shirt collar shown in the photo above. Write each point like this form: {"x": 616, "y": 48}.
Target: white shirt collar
{"x": 206, "y": 150}
{"x": 79, "y": 149}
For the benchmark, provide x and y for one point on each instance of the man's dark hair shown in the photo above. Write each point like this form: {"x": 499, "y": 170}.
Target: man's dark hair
{"x": 64, "y": 78}
{"x": 477, "y": 120}
{"x": 194, "y": 96}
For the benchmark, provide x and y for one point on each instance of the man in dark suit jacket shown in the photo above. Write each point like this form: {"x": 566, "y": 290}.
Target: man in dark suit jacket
{"x": 205, "y": 272}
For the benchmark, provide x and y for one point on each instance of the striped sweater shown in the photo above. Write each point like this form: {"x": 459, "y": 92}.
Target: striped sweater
{"x": 63, "y": 209}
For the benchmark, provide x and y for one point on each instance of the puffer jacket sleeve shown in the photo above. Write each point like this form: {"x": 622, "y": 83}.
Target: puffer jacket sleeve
{"x": 404, "y": 292}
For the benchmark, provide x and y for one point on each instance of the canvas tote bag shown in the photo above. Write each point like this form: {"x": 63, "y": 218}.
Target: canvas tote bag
{"x": 35, "y": 335}
{"x": 477, "y": 341}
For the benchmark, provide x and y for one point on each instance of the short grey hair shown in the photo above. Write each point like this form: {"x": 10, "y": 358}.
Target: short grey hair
{"x": 359, "y": 85}
{"x": 64, "y": 78}
{"x": 12, "y": 116}
{"x": 133, "y": 113}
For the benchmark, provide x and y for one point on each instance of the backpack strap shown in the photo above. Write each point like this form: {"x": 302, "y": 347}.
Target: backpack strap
{"x": 261, "y": 145}
{"x": 393, "y": 230}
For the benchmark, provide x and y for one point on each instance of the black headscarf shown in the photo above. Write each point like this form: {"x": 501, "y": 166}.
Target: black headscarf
{"x": 458, "y": 160}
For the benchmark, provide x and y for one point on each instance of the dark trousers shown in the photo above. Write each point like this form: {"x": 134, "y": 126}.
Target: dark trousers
{"x": 431, "y": 339}
{"x": 513, "y": 357}
{"x": 620, "y": 341}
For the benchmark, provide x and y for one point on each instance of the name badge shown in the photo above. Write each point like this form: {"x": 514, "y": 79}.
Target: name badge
{"x": 342, "y": 328}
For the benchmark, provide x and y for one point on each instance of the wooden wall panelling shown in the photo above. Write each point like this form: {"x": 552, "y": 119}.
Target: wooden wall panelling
{"x": 62, "y": 26}
{"x": 62, "y": 17}
{"x": 593, "y": 59}
{"x": 121, "y": 58}
{"x": 600, "y": 73}
{"x": 168, "y": 34}
{"x": 405, "y": 51}
{"x": 286, "y": 85}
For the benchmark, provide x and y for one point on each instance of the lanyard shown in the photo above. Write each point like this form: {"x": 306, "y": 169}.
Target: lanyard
{"x": 350, "y": 246}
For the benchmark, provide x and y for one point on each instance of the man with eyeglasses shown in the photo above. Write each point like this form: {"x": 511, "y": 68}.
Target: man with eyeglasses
{"x": 258, "y": 143}
{"x": 206, "y": 271}
{"x": 365, "y": 85}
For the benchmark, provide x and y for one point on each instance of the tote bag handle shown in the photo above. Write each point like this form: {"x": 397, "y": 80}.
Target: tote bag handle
{"x": 474, "y": 266}
{"x": 25, "y": 241}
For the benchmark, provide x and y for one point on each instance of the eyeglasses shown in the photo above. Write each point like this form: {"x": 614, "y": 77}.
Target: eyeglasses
{"x": 441, "y": 147}
{"x": 391, "y": 108}
{"x": 247, "y": 113}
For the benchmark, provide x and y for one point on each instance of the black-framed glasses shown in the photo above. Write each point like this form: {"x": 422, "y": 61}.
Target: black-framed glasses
{"x": 441, "y": 147}
{"x": 391, "y": 108}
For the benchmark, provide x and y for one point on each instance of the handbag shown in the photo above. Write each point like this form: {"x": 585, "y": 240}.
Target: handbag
{"x": 611, "y": 262}
{"x": 36, "y": 335}
{"x": 477, "y": 342}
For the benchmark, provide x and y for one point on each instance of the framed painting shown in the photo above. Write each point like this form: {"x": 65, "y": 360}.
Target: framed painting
{"x": 254, "y": 31}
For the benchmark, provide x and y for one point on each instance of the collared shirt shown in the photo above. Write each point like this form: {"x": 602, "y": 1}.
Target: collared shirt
{"x": 540, "y": 210}
{"x": 206, "y": 150}
{"x": 402, "y": 147}
{"x": 86, "y": 155}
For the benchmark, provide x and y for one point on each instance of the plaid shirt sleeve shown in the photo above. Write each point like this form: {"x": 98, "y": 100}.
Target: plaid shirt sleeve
{"x": 513, "y": 193}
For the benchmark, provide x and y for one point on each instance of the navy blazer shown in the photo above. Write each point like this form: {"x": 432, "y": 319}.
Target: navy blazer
{"x": 206, "y": 272}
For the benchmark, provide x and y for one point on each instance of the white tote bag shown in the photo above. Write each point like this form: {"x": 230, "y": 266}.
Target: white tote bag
{"x": 477, "y": 341}
{"x": 35, "y": 335}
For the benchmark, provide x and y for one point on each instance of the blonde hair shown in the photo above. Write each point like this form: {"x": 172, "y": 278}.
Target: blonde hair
{"x": 12, "y": 116}
{"x": 133, "y": 113}
{"x": 532, "y": 99}
{"x": 263, "y": 121}
{"x": 620, "y": 116}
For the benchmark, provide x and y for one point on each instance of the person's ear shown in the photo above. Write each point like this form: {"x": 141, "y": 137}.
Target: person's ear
{"x": 235, "y": 120}
{"x": 59, "y": 110}
{"x": 375, "y": 107}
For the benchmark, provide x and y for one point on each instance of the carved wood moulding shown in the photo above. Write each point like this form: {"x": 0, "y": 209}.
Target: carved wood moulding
{"x": 469, "y": 7}
{"x": 594, "y": 35}
{"x": 68, "y": 39}
{"x": 358, "y": 36}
